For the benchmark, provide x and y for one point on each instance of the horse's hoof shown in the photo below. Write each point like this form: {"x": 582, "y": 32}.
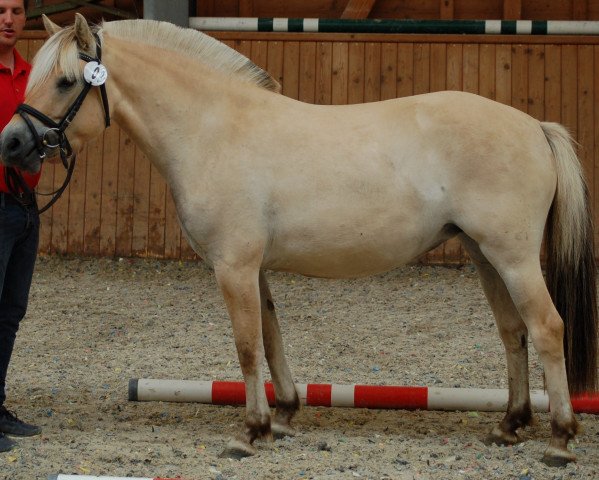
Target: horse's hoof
{"x": 501, "y": 438}
{"x": 555, "y": 457}
{"x": 281, "y": 431}
{"x": 236, "y": 450}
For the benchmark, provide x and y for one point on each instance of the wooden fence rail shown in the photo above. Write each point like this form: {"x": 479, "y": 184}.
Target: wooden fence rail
{"x": 118, "y": 205}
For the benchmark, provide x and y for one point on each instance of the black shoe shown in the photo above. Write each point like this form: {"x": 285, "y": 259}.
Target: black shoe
{"x": 11, "y": 425}
{"x": 6, "y": 443}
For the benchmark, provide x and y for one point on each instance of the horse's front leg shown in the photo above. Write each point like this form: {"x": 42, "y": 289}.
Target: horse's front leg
{"x": 240, "y": 288}
{"x": 286, "y": 397}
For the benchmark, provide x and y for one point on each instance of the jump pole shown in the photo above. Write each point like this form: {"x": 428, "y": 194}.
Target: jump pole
{"x": 386, "y": 25}
{"x": 350, "y": 396}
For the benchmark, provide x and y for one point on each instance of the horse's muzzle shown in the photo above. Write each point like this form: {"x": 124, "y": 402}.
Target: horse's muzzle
{"x": 18, "y": 148}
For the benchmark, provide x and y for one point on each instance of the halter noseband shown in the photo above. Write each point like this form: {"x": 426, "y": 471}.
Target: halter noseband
{"x": 94, "y": 75}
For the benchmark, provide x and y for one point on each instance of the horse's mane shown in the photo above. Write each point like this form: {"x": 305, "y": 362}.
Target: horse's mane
{"x": 61, "y": 48}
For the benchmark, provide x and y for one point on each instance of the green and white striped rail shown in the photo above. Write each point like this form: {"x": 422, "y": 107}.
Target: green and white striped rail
{"x": 487, "y": 27}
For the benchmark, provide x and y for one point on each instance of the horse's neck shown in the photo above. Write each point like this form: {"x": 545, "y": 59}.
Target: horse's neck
{"x": 162, "y": 101}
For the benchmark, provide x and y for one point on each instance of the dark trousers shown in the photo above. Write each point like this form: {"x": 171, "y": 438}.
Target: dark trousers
{"x": 19, "y": 236}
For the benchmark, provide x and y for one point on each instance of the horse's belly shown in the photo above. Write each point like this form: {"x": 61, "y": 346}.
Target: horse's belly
{"x": 365, "y": 254}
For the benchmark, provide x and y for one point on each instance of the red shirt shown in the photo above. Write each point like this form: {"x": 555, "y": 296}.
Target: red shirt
{"x": 12, "y": 93}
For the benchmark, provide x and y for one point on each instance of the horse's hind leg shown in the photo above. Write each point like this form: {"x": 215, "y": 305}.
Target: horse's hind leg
{"x": 520, "y": 270}
{"x": 287, "y": 400}
{"x": 514, "y": 336}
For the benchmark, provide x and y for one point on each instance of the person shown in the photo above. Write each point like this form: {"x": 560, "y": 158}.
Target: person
{"x": 19, "y": 220}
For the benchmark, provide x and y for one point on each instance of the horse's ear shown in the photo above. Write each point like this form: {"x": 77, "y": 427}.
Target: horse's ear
{"x": 50, "y": 26}
{"x": 85, "y": 38}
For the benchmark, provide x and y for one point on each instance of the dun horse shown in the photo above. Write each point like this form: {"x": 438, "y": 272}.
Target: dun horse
{"x": 264, "y": 182}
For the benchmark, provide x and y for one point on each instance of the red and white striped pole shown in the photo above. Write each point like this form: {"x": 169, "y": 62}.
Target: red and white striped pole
{"x": 358, "y": 396}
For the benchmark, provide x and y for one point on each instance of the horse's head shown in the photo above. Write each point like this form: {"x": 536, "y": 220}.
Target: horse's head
{"x": 64, "y": 70}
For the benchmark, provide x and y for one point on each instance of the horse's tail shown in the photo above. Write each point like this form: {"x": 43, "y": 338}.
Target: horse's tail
{"x": 571, "y": 262}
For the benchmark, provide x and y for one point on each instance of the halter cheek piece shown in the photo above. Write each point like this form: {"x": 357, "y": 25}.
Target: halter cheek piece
{"x": 55, "y": 137}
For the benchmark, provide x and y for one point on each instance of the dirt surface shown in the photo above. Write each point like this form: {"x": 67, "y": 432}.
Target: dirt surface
{"x": 94, "y": 324}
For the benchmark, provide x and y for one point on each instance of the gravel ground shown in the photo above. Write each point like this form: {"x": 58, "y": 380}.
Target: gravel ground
{"x": 95, "y": 323}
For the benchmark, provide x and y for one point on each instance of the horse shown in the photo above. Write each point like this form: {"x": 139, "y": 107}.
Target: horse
{"x": 264, "y": 182}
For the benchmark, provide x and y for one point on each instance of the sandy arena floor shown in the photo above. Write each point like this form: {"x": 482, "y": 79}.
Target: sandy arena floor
{"x": 94, "y": 323}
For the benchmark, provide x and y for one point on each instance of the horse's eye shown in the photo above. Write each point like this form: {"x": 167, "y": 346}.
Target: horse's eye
{"x": 65, "y": 84}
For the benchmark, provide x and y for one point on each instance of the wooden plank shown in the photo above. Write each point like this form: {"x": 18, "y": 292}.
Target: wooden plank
{"x": 438, "y": 67}
{"x": 205, "y": 8}
{"x": 274, "y": 60}
{"x": 59, "y": 212}
{"x": 446, "y": 9}
{"x": 307, "y": 72}
{"x": 291, "y": 70}
{"x": 244, "y": 47}
{"x": 172, "y": 229}
{"x": 339, "y": 87}
{"x": 405, "y": 70}
{"x": 358, "y": 9}
{"x": 246, "y": 8}
{"x": 76, "y": 218}
{"x": 355, "y": 65}
{"x": 569, "y": 104}
{"x": 187, "y": 253}
{"x": 520, "y": 77}
{"x": 126, "y": 193}
{"x": 110, "y": 169}
{"x": 486, "y": 82}
{"x": 503, "y": 74}
{"x": 141, "y": 203}
{"x": 324, "y": 73}
{"x": 156, "y": 214}
{"x": 536, "y": 82}
{"x": 388, "y": 71}
{"x": 580, "y": 9}
{"x": 471, "y": 68}
{"x": 455, "y": 72}
{"x": 512, "y": 9}
{"x": 372, "y": 72}
{"x": 259, "y": 53}
{"x": 422, "y": 68}
{"x": 553, "y": 83}
{"x": 93, "y": 197}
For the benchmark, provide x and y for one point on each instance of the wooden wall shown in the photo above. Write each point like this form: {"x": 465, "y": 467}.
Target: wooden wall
{"x": 118, "y": 205}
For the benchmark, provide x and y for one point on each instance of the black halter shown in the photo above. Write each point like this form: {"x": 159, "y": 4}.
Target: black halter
{"x": 55, "y": 136}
